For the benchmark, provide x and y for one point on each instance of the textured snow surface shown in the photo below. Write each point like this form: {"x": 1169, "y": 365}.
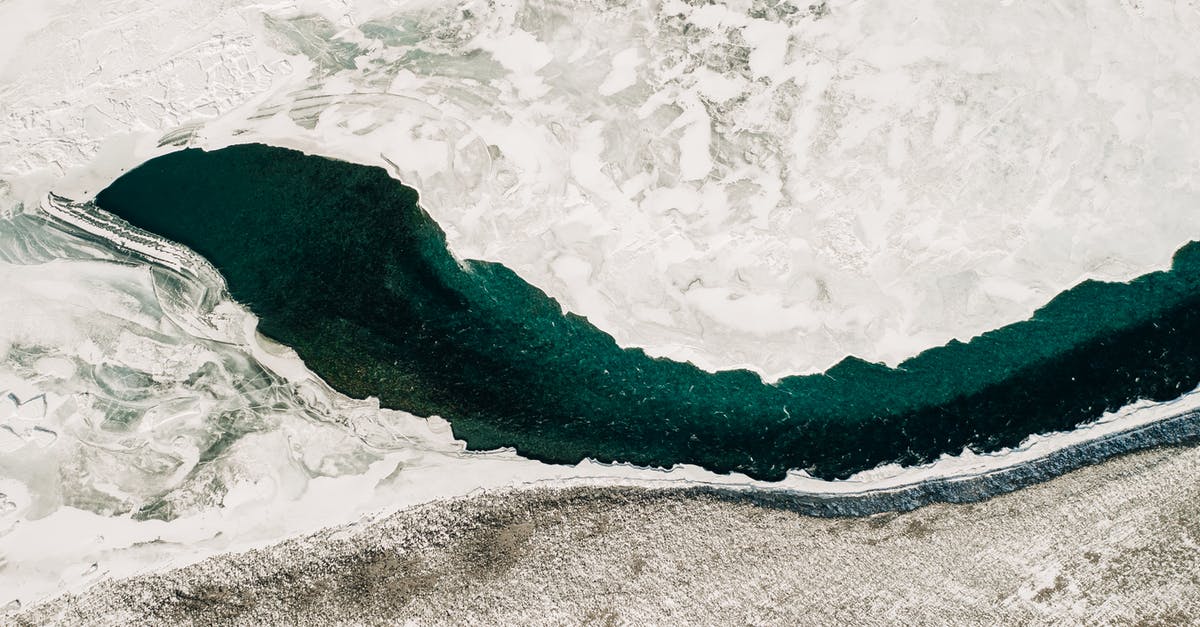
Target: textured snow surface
{"x": 772, "y": 186}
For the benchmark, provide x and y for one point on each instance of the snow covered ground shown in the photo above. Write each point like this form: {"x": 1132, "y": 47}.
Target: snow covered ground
{"x": 770, "y": 186}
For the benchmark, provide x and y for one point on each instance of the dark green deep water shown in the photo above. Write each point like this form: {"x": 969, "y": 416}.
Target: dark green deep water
{"x": 340, "y": 263}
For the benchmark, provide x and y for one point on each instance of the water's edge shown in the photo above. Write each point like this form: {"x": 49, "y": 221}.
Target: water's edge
{"x": 1177, "y": 430}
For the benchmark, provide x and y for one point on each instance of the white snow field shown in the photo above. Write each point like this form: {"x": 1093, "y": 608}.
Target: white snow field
{"x": 768, "y": 186}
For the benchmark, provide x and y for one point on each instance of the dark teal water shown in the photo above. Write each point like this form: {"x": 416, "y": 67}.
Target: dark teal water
{"x": 340, "y": 263}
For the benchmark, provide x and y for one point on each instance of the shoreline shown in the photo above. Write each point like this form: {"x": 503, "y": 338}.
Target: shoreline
{"x": 1107, "y": 543}
{"x": 1177, "y": 431}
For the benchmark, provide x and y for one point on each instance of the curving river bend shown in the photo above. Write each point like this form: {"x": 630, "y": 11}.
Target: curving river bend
{"x": 339, "y": 262}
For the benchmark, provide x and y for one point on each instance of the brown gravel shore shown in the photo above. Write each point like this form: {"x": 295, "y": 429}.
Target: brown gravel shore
{"x": 1118, "y": 542}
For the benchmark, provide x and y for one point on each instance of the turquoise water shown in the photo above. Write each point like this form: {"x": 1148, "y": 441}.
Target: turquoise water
{"x": 340, "y": 263}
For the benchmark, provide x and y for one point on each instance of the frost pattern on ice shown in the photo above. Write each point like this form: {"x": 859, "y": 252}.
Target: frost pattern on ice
{"x": 776, "y": 185}
{"x": 154, "y": 416}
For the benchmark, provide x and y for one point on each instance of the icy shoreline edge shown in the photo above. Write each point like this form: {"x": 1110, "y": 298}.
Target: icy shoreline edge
{"x": 1179, "y": 430}
{"x": 487, "y": 552}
